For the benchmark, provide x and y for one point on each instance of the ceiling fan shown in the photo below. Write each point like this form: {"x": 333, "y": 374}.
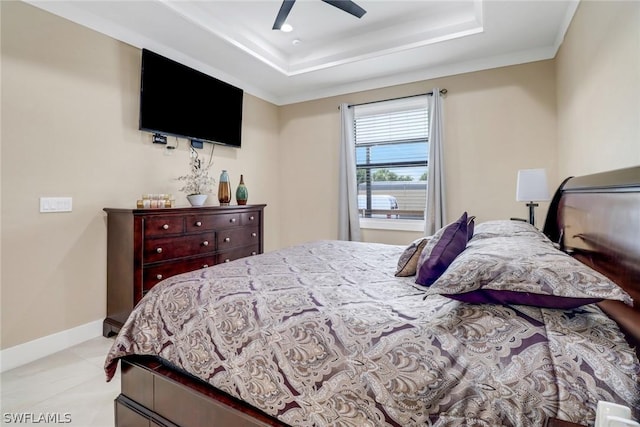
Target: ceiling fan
{"x": 346, "y": 5}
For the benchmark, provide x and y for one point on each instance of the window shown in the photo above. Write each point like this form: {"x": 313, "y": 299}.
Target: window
{"x": 391, "y": 161}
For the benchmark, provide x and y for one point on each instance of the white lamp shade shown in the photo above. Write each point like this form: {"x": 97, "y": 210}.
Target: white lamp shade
{"x": 532, "y": 185}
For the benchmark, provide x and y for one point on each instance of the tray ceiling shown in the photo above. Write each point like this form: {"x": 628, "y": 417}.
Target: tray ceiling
{"x": 330, "y": 52}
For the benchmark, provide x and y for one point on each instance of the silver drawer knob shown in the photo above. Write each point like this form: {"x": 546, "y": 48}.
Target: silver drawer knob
{"x": 205, "y": 243}
{"x": 233, "y": 220}
{"x": 159, "y": 276}
{"x": 166, "y": 226}
{"x": 205, "y": 265}
{"x": 253, "y": 234}
{"x": 251, "y": 218}
{"x": 227, "y": 260}
{"x": 227, "y": 239}
{"x": 198, "y": 223}
{"x": 159, "y": 250}
{"x": 254, "y": 253}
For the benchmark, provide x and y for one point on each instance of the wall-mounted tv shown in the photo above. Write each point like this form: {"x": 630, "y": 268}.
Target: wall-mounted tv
{"x": 179, "y": 101}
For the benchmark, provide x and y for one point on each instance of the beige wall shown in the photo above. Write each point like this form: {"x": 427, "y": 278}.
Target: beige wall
{"x": 598, "y": 68}
{"x": 496, "y": 122}
{"x": 69, "y": 128}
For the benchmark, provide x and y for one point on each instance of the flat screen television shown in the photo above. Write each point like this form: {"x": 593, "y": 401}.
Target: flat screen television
{"x": 179, "y": 101}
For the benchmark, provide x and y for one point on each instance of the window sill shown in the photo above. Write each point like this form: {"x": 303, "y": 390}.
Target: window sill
{"x": 392, "y": 224}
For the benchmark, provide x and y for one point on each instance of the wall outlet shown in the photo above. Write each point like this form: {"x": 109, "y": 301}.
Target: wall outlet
{"x": 609, "y": 414}
{"x": 56, "y": 204}
{"x": 159, "y": 138}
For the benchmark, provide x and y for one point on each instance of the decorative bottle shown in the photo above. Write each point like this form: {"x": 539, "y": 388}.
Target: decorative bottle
{"x": 224, "y": 189}
{"x": 241, "y": 192}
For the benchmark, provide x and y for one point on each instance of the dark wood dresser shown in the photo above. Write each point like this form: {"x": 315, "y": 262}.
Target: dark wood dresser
{"x": 145, "y": 246}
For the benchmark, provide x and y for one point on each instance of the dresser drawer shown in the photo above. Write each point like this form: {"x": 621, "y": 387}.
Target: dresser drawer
{"x": 162, "y": 249}
{"x": 250, "y": 219}
{"x": 196, "y": 223}
{"x": 155, "y": 274}
{"x": 237, "y": 237}
{"x": 212, "y": 222}
{"x": 160, "y": 226}
{"x": 231, "y": 254}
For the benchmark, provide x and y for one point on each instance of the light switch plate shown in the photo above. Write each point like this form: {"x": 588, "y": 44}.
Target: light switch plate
{"x": 56, "y": 204}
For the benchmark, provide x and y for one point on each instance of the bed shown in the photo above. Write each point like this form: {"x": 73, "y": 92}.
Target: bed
{"x": 511, "y": 327}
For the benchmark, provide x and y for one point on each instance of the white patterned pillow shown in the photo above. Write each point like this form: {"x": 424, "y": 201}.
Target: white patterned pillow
{"x": 408, "y": 262}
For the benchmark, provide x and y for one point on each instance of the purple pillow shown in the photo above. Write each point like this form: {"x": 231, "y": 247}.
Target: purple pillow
{"x": 470, "y": 227}
{"x": 503, "y": 297}
{"x": 441, "y": 250}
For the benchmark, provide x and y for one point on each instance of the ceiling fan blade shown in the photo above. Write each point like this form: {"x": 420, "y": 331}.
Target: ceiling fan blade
{"x": 348, "y": 6}
{"x": 283, "y": 13}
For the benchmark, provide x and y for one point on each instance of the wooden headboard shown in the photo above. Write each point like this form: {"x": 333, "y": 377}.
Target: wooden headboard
{"x": 596, "y": 219}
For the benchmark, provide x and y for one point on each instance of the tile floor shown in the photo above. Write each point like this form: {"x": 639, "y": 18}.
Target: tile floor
{"x": 68, "y": 382}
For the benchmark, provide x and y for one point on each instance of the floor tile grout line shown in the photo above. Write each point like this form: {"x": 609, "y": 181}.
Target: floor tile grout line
{"x": 57, "y": 393}
{"x": 74, "y": 351}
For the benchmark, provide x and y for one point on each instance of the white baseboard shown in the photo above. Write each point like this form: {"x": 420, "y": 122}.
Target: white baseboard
{"x": 22, "y": 354}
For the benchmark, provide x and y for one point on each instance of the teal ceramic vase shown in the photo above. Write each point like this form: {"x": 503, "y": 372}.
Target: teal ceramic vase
{"x": 241, "y": 192}
{"x": 224, "y": 189}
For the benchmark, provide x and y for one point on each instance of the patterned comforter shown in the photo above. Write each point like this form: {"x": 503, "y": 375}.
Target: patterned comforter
{"x": 324, "y": 334}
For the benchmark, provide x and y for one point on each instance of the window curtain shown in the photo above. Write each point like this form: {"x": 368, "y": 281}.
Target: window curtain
{"x": 348, "y": 221}
{"x": 435, "y": 213}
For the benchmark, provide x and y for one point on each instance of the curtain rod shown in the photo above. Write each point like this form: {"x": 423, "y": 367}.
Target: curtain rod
{"x": 442, "y": 92}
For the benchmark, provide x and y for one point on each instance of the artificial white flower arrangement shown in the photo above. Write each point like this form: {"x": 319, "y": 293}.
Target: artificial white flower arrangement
{"x": 198, "y": 180}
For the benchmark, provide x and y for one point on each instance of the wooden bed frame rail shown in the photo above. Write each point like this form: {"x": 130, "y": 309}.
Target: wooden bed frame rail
{"x": 152, "y": 394}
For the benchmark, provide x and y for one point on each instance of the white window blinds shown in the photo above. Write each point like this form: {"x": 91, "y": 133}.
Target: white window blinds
{"x": 391, "y": 157}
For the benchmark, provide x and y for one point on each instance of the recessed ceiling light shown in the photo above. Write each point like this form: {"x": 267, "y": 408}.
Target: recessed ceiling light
{"x": 286, "y": 28}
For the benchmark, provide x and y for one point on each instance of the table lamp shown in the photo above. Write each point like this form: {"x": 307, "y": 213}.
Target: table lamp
{"x": 532, "y": 187}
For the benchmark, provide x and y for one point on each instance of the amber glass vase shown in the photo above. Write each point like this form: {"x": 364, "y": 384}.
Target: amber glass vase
{"x": 224, "y": 189}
